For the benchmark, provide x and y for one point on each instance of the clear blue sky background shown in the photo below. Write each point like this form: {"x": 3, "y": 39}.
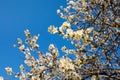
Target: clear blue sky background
{"x": 18, "y": 15}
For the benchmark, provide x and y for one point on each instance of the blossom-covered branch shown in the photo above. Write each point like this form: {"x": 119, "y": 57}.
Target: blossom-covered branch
{"x": 93, "y": 27}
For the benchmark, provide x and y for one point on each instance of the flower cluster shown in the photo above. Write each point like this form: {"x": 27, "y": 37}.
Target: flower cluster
{"x": 94, "y": 31}
{"x": 93, "y": 28}
{"x": 52, "y": 29}
{"x": 65, "y": 64}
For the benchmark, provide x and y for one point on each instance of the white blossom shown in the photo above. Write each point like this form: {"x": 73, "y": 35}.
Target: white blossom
{"x": 52, "y": 29}
{"x": 19, "y": 41}
{"x": 72, "y": 2}
{"x": 1, "y": 78}
{"x": 21, "y": 47}
{"x": 93, "y": 77}
{"x": 51, "y": 46}
{"x": 27, "y": 33}
{"x": 58, "y": 11}
{"x": 65, "y": 25}
{"x": 9, "y": 70}
{"x": 65, "y": 64}
{"x": 78, "y": 34}
{"x": 88, "y": 30}
{"x": 70, "y": 33}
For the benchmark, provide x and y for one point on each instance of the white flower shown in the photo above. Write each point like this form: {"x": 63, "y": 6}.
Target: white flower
{"x": 21, "y": 67}
{"x": 34, "y": 45}
{"x": 62, "y": 15}
{"x": 65, "y": 36}
{"x": 21, "y": 47}
{"x": 65, "y": 64}
{"x": 51, "y": 46}
{"x": 50, "y": 64}
{"x": 19, "y": 41}
{"x": 65, "y": 25}
{"x": 29, "y": 74}
{"x": 28, "y": 62}
{"x": 22, "y": 76}
{"x": 88, "y": 30}
{"x": 58, "y": 11}
{"x": 52, "y": 29}
{"x": 64, "y": 48}
{"x": 35, "y": 38}
{"x": 27, "y": 33}
{"x": 9, "y": 70}
{"x": 78, "y": 34}
{"x": 71, "y": 51}
{"x": 68, "y": 7}
{"x": 42, "y": 68}
{"x": 71, "y": 17}
{"x": 36, "y": 77}
{"x": 78, "y": 62}
{"x": 55, "y": 52}
{"x": 72, "y": 2}
{"x": 93, "y": 77}
{"x": 27, "y": 56}
{"x": 61, "y": 29}
{"x": 48, "y": 54}
{"x": 84, "y": 3}
{"x": 1, "y": 78}
{"x": 70, "y": 32}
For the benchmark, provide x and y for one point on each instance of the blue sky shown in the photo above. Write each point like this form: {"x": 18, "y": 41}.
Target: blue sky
{"x": 18, "y": 15}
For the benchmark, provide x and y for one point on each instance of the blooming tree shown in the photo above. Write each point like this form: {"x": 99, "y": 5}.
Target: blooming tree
{"x": 93, "y": 27}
